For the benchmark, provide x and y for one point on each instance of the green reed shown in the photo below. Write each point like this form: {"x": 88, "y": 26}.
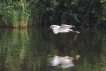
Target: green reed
{"x": 15, "y": 14}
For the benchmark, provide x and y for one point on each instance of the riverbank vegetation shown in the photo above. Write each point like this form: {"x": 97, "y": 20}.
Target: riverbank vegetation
{"x": 37, "y": 13}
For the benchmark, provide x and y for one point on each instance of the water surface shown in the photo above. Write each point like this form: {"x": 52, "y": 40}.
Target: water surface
{"x": 32, "y": 49}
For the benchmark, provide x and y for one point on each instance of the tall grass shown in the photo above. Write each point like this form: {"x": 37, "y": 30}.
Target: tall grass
{"x": 15, "y": 13}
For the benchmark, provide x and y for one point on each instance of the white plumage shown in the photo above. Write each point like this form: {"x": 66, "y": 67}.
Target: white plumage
{"x": 61, "y": 29}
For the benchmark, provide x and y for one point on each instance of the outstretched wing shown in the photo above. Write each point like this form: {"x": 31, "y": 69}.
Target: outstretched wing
{"x": 66, "y": 26}
{"x": 54, "y": 26}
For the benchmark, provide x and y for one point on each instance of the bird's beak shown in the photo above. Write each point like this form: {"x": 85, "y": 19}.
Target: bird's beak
{"x": 49, "y": 28}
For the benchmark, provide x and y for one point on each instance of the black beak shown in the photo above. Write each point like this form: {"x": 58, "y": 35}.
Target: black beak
{"x": 49, "y": 28}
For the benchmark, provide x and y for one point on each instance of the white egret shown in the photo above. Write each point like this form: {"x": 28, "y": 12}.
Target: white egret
{"x": 62, "y": 29}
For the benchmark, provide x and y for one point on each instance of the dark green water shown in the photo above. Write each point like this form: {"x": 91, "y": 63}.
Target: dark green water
{"x": 31, "y": 50}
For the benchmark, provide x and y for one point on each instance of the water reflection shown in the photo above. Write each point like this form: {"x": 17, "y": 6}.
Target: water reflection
{"x": 64, "y": 62}
{"x": 31, "y": 49}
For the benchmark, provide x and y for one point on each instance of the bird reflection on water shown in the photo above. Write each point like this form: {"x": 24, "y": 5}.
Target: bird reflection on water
{"x": 64, "y": 62}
